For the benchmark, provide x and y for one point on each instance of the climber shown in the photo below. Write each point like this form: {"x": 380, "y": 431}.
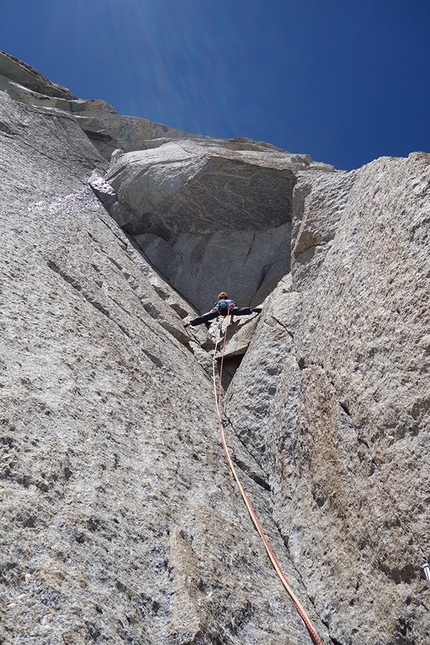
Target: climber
{"x": 224, "y": 306}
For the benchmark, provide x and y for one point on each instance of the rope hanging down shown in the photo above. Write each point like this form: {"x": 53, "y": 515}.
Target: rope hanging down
{"x": 222, "y": 422}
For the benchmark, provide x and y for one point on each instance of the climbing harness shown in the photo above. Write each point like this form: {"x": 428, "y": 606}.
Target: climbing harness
{"x": 223, "y": 422}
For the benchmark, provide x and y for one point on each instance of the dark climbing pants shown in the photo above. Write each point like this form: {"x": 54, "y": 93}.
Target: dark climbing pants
{"x": 236, "y": 311}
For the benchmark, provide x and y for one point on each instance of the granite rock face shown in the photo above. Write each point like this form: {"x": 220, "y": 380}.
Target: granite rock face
{"x": 119, "y": 520}
{"x": 333, "y": 398}
{"x": 208, "y": 217}
{"x": 210, "y": 214}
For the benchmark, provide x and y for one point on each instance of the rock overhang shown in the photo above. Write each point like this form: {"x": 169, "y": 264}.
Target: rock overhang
{"x": 209, "y": 216}
{"x": 194, "y": 189}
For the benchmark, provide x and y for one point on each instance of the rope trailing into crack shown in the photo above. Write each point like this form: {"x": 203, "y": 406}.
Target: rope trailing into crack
{"x": 223, "y": 421}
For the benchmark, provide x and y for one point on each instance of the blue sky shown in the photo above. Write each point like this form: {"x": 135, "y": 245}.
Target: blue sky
{"x": 344, "y": 81}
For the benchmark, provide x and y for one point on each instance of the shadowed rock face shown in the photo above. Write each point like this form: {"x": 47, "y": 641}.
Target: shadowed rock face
{"x": 208, "y": 214}
{"x": 188, "y": 188}
{"x": 119, "y": 520}
{"x": 208, "y": 217}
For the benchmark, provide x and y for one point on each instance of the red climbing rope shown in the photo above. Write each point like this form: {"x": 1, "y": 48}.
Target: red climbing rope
{"x": 275, "y": 563}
